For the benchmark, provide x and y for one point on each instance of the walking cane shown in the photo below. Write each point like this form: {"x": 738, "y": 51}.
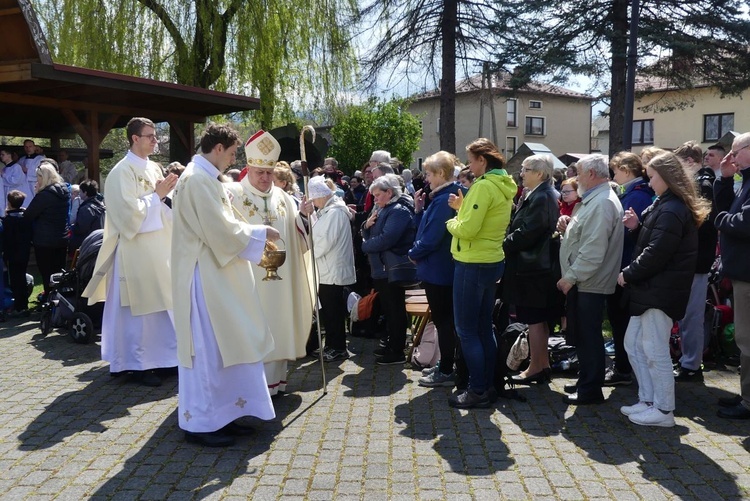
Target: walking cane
{"x": 306, "y": 178}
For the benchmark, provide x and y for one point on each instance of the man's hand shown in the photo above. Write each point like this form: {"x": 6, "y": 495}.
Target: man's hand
{"x": 727, "y": 166}
{"x": 455, "y": 201}
{"x": 564, "y": 286}
{"x": 164, "y": 186}
{"x": 272, "y": 234}
{"x": 562, "y": 223}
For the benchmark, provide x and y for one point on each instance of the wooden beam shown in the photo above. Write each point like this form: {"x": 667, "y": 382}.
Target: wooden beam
{"x": 32, "y": 133}
{"x": 49, "y": 102}
{"x": 93, "y": 146}
{"x": 11, "y": 11}
{"x": 73, "y": 120}
{"x": 106, "y": 126}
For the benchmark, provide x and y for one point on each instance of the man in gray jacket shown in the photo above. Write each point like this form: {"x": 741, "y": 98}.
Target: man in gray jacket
{"x": 590, "y": 257}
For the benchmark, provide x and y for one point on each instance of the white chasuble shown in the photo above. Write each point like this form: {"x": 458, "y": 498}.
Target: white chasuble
{"x": 144, "y": 256}
{"x": 287, "y": 303}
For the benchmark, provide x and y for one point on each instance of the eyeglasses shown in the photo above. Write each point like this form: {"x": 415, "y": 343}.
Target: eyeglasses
{"x": 526, "y": 169}
{"x": 151, "y": 137}
{"x": 565, "y": 192}
{"x": 734, "y": 152}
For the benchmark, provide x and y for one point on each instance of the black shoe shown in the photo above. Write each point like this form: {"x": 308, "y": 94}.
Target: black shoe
{"x": 147, "y": 378}
{"x": 684, "y": 375}
{"x": 492, "y": 394}
{"x": 574, "y": 399}
{"x": 739, "y": 411}
{"x": 383, "y": 343}
{"x": 211, "y": 439}
{"x": 730, "y": 401}
{"x": 237, "y": 430}
{"x": 379, "y": 352}
{"x": 570, "y": 388}
{"x": 391, "y": 358}
{"x": 469, "y": 400}
{"x": 614, "y": 378}
{"x": 541, "y": 377}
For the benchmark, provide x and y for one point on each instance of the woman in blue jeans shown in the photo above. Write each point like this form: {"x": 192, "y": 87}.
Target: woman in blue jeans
{"x": 478, "y": 231}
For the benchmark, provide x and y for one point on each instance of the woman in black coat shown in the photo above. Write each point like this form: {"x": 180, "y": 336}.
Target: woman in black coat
{"x": 532, "y": 264}
{"x": 657, "y": 283}
{"x": 48, "y": 215}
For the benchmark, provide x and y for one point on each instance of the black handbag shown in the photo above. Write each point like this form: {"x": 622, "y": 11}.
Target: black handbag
{"x": 400, "y": 270}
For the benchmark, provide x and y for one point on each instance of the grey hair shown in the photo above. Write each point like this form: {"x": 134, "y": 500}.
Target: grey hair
{"x": 385, "y": 168}
{"x": 596, "y": 163}
{"x": 540, "y": 163}
{"x": 380, "y": 156}
{"x": 406, "y": 175}
{"x": 387, "y": 182}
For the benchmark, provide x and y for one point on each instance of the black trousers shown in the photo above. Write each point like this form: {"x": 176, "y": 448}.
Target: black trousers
{"x": 333, "y": 315}
{"x": 17, "y": 280}
{"x": 619, "y": 318}
{"x": 49, "y": 260}
{"x": 440, "y": 299}
{"x": 392, "y": 301}
{"x": 588, "y": 309}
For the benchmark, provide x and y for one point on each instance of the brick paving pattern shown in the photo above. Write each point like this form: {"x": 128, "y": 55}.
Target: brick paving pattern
{"x": 70, "y": 431}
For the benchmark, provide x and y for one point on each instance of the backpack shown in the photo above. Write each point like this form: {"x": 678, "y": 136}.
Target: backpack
{"x": 426, "y": 352}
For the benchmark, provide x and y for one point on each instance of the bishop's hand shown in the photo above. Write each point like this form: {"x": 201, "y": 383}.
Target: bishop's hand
{"x": 272, "y": 234}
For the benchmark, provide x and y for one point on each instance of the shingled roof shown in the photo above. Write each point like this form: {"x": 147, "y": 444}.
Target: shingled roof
{"x": 501, "y": 83}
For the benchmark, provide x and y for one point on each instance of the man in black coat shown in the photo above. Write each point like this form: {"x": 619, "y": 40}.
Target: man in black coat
{"x": 733, "y": 223}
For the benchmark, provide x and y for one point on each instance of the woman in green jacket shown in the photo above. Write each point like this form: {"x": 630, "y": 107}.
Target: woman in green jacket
{"x": 478, "y": 231}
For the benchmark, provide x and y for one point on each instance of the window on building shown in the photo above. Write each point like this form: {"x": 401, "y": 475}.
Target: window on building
{"x": 510, "y": 146}
{"x": 535, "y": 105}
{"x": 512, "y": 115}
{"x": 535, "y": 126}
{"x": 437, "y": 128}
{"x": 643, "y": 131}
{"x": 419, "y": 163}
{"x": 715, "y": 126}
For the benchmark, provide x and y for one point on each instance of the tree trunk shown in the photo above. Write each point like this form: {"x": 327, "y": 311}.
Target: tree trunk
{"x": 448, "y": 25}
{"x": 619, "y": 43}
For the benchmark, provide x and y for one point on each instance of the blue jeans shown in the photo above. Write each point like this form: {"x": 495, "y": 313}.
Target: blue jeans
{"x": 473, "y": 300}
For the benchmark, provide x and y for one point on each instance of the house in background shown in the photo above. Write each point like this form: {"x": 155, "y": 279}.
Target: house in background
{"x": 667, "y": 117}
{"x": 540, "y": 113}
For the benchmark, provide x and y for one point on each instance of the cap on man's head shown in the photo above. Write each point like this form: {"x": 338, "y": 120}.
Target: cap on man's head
{"x": 317, "y": 188}
{"x": 262, "y": 150}
{"x": 380, "y": 156}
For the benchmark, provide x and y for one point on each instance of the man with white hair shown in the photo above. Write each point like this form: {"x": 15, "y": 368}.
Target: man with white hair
{"x": 287, "y": 303}
{"x": 590, "y": 257}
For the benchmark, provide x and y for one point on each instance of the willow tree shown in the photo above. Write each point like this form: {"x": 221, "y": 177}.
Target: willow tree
{"x": 288, "y": 52}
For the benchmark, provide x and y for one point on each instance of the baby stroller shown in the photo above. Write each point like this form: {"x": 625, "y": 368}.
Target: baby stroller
{"x": 65, "y": 308}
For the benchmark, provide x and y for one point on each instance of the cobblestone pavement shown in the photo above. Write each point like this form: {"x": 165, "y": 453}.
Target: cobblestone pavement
{"x": 70, "y": 431}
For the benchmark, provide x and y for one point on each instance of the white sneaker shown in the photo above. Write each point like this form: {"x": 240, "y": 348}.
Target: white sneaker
{"x": 634, "y": 409}
{"x": 653, "y": 417}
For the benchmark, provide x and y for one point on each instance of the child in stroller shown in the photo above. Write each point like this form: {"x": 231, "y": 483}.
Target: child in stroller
{"x": 65, "y": 308}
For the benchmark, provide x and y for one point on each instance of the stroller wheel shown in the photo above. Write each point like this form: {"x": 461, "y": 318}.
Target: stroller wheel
{"x": 81, "y": 328}
{"x": 45, "y": 323}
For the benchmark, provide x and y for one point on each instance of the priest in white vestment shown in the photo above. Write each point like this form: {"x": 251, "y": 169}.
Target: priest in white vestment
{"x": 222, "y": 333}
{"x": 14, "y": 178}
{"x": 287, "y": 303}
{"x": 30, "y": 163}
{"x": 132, "y": 270}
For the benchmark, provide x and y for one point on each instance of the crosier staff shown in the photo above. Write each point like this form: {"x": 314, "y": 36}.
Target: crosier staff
{"x": 306, "y": 178}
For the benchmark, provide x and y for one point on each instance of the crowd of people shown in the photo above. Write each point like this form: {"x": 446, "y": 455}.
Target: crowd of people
{"x": 185, "y": 278}
{"x": 42, "y": 210}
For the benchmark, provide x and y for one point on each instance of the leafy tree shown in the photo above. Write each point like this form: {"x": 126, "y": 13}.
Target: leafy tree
{"x": 375, "y": 125}
{"x": 285, "y": 51}
{"x": 431, "y": 36}
{"x": 683, "y": 44}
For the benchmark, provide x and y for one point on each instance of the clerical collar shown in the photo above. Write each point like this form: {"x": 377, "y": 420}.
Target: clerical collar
{"x": 256, "y": 191}
{"x": 136, "y": 160}
{"x": 33, "y": 155}
{"x": 206, "y": 166}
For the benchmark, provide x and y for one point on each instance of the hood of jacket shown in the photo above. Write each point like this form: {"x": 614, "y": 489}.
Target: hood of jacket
{"x": 501, "y": 179}
{"x": 58, "y": 190}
